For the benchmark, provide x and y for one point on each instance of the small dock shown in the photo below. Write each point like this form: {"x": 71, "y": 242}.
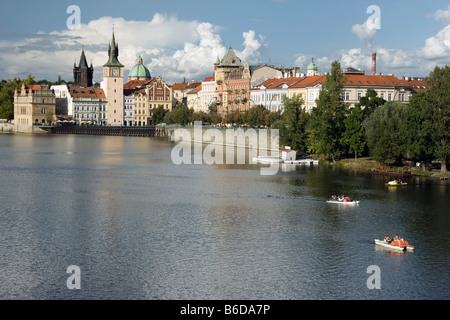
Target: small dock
{"x": 151, "y": 131}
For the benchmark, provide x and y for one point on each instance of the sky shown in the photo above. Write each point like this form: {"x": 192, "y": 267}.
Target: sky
{"x": 181, "y": 40}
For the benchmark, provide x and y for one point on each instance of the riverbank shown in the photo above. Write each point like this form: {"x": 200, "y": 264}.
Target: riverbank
{"x": 366, "y": 164}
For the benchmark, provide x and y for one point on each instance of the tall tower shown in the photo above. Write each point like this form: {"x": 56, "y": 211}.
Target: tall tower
{"x": 83, "y": 74}
{"x": 113, "y": 85}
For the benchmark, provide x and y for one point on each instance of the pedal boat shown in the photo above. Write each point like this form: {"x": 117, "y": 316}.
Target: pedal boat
{"x": 395, "y": 245}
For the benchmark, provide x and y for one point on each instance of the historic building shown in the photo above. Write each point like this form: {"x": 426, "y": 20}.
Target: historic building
{"x": 83, "y": 74}
{"x": 232, "y": 83}
{"x": 33, "y": 104}
{"x": 89, "y": 105}
{"x": 113, "y": 85}
{"x": 155, "y": 93}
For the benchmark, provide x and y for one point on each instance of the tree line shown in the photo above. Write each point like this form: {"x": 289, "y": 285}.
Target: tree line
{"x": 390, "y": 132}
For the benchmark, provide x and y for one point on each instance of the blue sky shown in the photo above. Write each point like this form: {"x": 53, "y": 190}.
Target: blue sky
{"x": 182, "y": 39}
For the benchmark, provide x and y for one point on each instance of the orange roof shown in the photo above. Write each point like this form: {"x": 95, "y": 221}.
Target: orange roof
{"x": 373, "y": 81}
{"x": 179, "y": 86}
{"x": 208, "y": 79}
{"x": 30, "y": 88}
{"x": 88, "y": 92}
{"x": 133, "y": 84}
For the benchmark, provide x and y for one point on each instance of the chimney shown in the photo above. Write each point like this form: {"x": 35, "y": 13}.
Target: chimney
{"x": 374, "y": 63}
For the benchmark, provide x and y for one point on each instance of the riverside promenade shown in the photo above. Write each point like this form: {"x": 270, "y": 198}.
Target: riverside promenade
{"x": 150, "y": 131}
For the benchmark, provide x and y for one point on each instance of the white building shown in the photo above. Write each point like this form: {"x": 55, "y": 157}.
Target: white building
{"x": 207, "y": 93}
{"x": 64, "y": 104}
{"x": 128, "y": 112}
{"x": 89, "y": 105}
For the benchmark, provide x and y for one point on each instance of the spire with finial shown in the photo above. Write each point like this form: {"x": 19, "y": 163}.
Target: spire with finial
{"x": 113, "y": 53}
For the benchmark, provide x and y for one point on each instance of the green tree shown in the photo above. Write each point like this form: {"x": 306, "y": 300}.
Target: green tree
{"x": 181, "y": 115}
{"x": 354, "y": 136}
{"x": 158, "y": 114}
{"x": 418, "y": 130}
{"x": 212, "y": 107}
{"x": 438, "y": 98}
{"x": 384, "y": 129}
{"x": 7, "y": 95}
{"x": 201, "y": 116}
{"x": 294, "y": 119}
{"x": 256, "y": 116}
{"x": 327, "y": 119}
{"x": 370, "y": 102}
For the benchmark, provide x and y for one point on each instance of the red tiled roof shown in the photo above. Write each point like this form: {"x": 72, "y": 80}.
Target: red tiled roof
{"x": 179, "y": 86}
{"x": 133, "y": 84}
{"x": 88, "y": 92}
{"x": 208, "y": 79}
{"x": 373, "y": 81}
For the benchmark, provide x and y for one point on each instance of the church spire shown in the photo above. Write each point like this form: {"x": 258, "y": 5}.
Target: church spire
{"x": 113, "y": 53}
{"x": 83, "y": 61}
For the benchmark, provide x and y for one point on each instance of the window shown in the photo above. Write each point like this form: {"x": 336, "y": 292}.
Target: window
{"x": 389, "y": 96}
{"x": 346, "y": 95}
{"x": 359, "y": 95}
{"x": 401, "y": 97}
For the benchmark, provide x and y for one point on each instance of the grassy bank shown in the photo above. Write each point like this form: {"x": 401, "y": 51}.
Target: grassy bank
{"x": 367, "y": 163}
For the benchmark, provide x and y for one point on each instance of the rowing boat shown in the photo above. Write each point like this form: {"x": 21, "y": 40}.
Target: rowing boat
{"x": 384, "y": 244}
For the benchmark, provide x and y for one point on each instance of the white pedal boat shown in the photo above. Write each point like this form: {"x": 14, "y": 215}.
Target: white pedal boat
{"x": 399, "y": 247}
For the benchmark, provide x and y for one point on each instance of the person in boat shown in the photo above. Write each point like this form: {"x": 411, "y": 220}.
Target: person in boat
{"x": 333, "y": 197}
{"x": 387, "y": 239}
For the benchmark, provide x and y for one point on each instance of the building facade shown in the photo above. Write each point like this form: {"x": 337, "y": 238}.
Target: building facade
{"x": 232, "y": 83}
{"x": 33, "y": 105}
{"x": 89, "y": 105}
{"x": 207, "y": 93}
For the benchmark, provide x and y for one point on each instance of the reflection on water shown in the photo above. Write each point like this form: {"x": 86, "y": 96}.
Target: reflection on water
{"x": 140, "y": 227}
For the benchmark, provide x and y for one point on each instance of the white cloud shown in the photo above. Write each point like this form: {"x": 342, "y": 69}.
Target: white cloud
{"x": 366, "y": 33}
{"x": 171, "y": 48}
{"x": 252, "y": 48}
{"x": 442, "y": 15}
{"x": 438, "y": 46}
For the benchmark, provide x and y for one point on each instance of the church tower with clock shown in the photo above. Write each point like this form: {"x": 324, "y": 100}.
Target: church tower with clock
{"x": 113, "y": 85}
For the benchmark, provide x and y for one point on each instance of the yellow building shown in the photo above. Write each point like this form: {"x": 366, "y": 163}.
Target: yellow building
{"x": 156, "y": 93}
{"x": 33, "y": 105}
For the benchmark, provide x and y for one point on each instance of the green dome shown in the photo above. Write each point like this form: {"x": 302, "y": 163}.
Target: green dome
{"x": 139, "y": 71}
{"x": 312, "y": 66}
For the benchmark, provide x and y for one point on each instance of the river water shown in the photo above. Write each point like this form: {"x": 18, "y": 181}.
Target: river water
{"x": 140, "y": 227}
